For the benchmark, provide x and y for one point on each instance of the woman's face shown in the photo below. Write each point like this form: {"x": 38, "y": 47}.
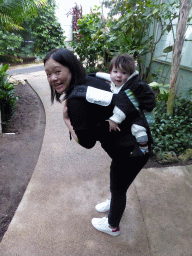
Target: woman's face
{"x": 59, "y": 76}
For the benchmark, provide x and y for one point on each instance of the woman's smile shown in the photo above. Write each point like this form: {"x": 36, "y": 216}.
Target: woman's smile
{"x": 58, "y": 86}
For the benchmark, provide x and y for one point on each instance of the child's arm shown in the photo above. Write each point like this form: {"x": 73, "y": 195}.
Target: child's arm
{"x": 104, "y": 76}
{"x": 142, "y": 96}
{"x": 101, "y": 95}
{"x": 117, "y": 118}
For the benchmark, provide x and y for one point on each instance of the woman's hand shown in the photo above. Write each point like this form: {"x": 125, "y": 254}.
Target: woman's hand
{"x": 113, "y": 126}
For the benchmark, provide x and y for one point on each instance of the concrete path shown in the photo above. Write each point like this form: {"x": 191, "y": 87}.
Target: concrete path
{"x": 54, "y": 216}
{"x": 25, "y": 69}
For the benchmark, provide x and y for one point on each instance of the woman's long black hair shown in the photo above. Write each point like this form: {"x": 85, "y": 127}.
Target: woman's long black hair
{"x": 66, "y": 58}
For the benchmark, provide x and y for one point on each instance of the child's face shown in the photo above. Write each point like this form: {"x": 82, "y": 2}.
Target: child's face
{"x": 118, "y": 76}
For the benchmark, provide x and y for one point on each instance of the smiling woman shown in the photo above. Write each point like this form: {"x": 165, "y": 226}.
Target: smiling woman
{"x": 88, "y": 106}
{"x": 64, "y": 71}
{"x": 59, "y": 77}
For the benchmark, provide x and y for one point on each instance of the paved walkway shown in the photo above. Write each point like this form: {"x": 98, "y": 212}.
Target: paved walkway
{"x": 25, "y": 69}
{"x": 54, "y": 216}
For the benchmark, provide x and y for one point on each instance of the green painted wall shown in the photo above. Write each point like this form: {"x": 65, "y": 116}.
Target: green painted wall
{"x": 184, "y": 80}
{"x": 162, "y": 63}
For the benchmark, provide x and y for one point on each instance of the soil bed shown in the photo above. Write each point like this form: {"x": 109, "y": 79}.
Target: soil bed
{"x": 19, "y": 152}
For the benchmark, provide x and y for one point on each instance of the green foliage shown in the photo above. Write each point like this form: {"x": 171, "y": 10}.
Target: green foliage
{"x": 136, "y": 28}
{"x": 10, "y": 43}
{"x": 46, "y": 31}
{"x": 161, "y": 90}
{"x": 186, "y": 155}
{"x": 166, "y": 157}
{"x": 27, "y": 49}
{"x": 172, "y": 133}
{"x": 93, "y": 46}
{"x": 13, "y": 12}
{"x": 7, "y": 96}
{"x": 12, "y": 15}
{"x": 132, "y": 26}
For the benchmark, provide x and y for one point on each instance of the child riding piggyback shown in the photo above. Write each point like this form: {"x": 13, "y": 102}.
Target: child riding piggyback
{"x": 123, "y": 77}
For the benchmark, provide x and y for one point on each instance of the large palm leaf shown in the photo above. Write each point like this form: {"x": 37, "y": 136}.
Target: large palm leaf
{"x": 13, "y": 12}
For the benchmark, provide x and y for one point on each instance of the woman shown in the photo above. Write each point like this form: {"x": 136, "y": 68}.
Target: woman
{"x": 88, "y": 123}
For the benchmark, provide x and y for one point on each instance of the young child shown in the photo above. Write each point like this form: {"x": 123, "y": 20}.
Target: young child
{"x": 122, "y": 73}
{"x": 124, "y": 78}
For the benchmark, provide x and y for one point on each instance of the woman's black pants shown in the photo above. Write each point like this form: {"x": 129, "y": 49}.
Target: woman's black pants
{"x": 123, "y": 171}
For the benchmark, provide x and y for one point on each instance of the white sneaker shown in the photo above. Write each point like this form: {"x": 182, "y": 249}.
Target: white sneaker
{"x": 103, "y": 207}
{"x": 102, "y": 225}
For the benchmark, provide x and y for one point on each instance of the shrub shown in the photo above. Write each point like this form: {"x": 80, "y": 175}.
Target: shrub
{"x": 93, "y": 42}
{"x": 10, "y": 43}
{"x": 46, "y": 31}
{"x": 172, "y": 133}
{"x": 7, "y": 95}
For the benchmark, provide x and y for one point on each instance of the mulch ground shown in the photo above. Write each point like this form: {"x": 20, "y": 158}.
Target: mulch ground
{"x": 19, "y": 152}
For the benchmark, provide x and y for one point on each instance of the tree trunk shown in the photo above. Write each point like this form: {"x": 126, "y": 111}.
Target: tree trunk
{"x": 185, "y": 6}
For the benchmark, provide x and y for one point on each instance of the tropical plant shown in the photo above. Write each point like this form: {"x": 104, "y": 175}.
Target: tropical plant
{"x": 132, "y": 26}
{"x": 161, "y": 90}
{"x": 10, "y": 44}
{"x": 7, "y": 95}
{"x": 12, "y": 15}
{"x": 172, "y": 133}
{"x": 91, "y": 44}
{"x": 45, "y": 30}
{"x": 13, "y": 12}
{"x": 139, "y": 27}
{"x": 76, "y": 13}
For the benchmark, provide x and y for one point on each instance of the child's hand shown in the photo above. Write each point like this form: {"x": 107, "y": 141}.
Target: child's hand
{"x": 113, "y": 126}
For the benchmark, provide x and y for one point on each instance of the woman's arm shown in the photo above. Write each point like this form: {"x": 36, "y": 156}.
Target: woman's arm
{"x": 68, "y": 122}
